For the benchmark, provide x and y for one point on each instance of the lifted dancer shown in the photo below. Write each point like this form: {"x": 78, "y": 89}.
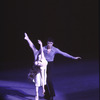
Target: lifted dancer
{"x": 38, "y": 73}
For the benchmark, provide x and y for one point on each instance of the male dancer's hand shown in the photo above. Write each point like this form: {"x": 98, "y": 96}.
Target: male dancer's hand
{"x": 77, "y": 58}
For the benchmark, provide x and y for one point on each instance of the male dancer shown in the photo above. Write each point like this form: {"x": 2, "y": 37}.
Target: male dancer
{"x": 49, "y": 53}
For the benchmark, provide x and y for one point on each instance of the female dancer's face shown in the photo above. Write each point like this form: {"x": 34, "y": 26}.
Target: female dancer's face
{"x": 38, "y": 62}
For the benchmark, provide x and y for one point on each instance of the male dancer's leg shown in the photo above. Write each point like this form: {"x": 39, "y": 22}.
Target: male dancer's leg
{"x": 49, "y": 89}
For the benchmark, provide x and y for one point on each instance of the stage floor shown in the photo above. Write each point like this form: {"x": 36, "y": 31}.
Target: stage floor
{"x": 72, "y": 81}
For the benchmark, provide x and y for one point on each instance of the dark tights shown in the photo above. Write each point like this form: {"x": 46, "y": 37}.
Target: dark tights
{"x": 49, "y": 89}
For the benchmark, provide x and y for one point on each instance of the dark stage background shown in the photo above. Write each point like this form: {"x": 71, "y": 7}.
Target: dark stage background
{"x": 73, "y": 24}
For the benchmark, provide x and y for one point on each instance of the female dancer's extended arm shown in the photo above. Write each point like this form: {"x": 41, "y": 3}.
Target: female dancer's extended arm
{"x": 42, "y": 69}
{"x": 41, "y": 49}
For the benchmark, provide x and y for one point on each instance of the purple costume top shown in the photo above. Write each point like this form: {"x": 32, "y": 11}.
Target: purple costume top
{"x": 50, "y": 56}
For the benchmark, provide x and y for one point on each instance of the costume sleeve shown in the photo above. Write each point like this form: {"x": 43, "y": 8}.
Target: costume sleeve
{"x": 64, "y": 53}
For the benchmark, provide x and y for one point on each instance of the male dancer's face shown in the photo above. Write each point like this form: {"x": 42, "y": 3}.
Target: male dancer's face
{"x": 49, "y": 44}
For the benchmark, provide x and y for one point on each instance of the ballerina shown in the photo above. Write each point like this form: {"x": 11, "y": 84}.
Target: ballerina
{"x": 38, "y": 72}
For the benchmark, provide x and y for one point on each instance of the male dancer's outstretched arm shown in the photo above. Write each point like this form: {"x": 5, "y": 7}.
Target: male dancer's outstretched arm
{"x": 66, "y": 54}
